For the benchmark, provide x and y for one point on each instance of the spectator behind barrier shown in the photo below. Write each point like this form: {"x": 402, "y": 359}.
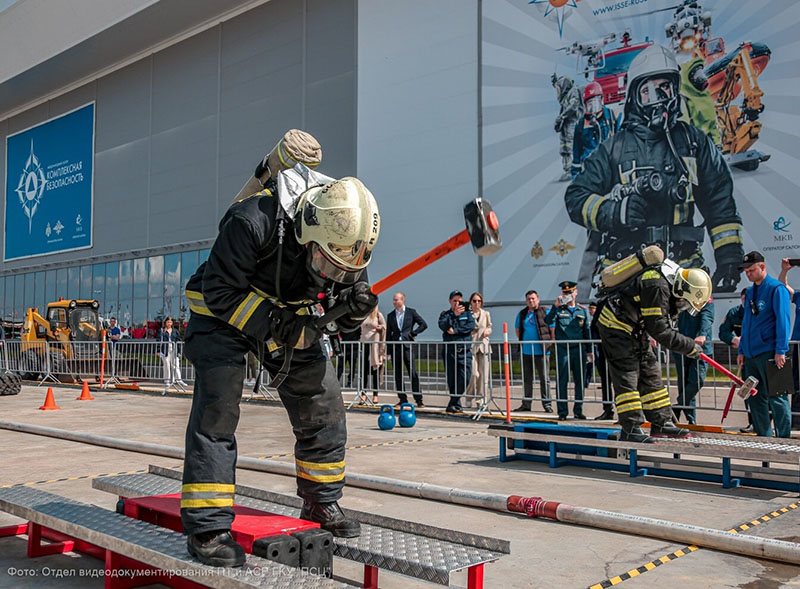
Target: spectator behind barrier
{"x": 730, "y": 331}
{"x": 457, "y": 324}
{"x": 691, "y": 371}
{"x": 373, "y": 329}
{"x": 169, "y": 338}
{"x": 479, "y": 383}
{"x": 404, "y": 324}
{"x": 765, "y": 337}
{"x": 532, "y": 327}
{"x": 786, "y": 265}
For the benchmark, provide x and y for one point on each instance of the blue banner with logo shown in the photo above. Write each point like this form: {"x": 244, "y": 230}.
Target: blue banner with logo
{"x": 49, "y": 180}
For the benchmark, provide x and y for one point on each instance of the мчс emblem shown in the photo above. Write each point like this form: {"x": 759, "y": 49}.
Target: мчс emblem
{"x": 31, "y": 187}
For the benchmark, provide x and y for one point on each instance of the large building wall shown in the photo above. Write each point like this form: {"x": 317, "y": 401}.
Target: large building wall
{"x": 418, "y": 138}
{"x": 179, "y": 131}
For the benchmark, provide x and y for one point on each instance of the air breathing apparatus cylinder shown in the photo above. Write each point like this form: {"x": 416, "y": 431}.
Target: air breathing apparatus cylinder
{"x": 620, "y": 272}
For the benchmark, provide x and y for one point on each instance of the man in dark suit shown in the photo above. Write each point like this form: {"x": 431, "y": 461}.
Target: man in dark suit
{"x": 404, "y": 324}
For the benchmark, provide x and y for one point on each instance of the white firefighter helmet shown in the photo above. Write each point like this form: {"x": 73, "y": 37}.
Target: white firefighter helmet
{"x": 693, "y": 285}
{"x": 652, "y": 63}
{"x": 341, "y": 222}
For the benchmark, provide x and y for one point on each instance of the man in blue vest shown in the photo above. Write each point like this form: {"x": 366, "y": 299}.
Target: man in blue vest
{"x": 765, "y": 337}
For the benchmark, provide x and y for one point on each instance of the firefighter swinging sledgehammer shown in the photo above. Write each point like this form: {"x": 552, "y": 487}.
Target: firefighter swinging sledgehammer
{"x": 633, "y": 310}
{"x": 301, "y": 239}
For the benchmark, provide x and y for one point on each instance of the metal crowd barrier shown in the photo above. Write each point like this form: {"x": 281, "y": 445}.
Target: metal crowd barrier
{"x": 427, "y": 359}
{"x": 421, "y": 367}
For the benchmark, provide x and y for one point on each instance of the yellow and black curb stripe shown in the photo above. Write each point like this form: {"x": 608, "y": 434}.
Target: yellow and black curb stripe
{"x": 393, "y": 443}
{"x": 431, "y": 439}
{"x": 689, "y": 549}
{"x": 65, "y": 479}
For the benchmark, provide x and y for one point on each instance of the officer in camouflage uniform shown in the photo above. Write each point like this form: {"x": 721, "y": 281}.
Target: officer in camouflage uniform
{"x": 267, "y": 269}
{"x": 642, "y": 186}
{"x": 626, "y": 320}
{"x": 571, "y": 109}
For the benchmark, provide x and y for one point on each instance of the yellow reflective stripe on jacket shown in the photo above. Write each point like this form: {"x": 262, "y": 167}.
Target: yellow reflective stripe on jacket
{"x": 590, "y": 210}
{"x": 623, "y": 267}
{"x": 201, "y": 495}
{"x": 197, "y": 304}
{"x": 650, "y": 275}
{"x": 726, "y": 233}
{"x": 245, "y": 310}
{"x": 607, "y": 319}
{"x": 320, "y": 472}
{"x": 651, "y": 311}
{"x": 274, "y": 300}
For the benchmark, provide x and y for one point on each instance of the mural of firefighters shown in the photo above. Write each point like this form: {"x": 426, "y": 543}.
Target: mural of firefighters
{"x": 661, "y": 134}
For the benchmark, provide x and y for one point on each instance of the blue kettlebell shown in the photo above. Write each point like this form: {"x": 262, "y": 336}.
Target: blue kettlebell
{"x": 386, "y": 419}
{"x": 407, "y": 417}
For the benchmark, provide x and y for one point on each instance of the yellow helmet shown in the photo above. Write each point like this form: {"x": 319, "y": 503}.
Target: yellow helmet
{"x": 341, "y": 222}
{"x": 694, "y": 286}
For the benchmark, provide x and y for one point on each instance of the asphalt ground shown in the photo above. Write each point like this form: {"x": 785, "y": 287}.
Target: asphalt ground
{"x": 452, "y": 451}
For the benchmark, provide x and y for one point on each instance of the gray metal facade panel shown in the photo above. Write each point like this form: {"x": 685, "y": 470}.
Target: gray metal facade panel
{"x": 72, "y": 100}
{"x": 246, "y": 134}
{"x": 330, "y": 115}
{"x": 185, "y": 81}
{"x": 120, "y": 204}
{"x": 123, "y": 106}
{"x": 28, "y": 118}
{"x": 183, "y": 183}
{"x": 330, "y": 39}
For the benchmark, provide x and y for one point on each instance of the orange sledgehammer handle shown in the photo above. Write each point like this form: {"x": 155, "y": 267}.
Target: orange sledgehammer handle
{"x": 418, "y": 264}
{"x": 402, "y": 273}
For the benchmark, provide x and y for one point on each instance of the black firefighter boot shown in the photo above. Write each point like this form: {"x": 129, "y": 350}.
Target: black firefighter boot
{"x": 668, "y": 430}
{"x": 636, "y": 434}
{"x": 331, "y": 518}
{"x": 216, "y": 548}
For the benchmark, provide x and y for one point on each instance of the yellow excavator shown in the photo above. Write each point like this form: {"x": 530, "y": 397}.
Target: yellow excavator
{"x": 70, "y": 327}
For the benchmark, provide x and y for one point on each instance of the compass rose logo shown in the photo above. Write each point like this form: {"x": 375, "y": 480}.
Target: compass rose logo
{"x": 558, "y": 10}
{"x": 31, "y": 187}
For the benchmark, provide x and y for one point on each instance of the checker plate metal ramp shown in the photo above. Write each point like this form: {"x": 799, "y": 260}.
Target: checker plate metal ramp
{"x": 412, "y": 554}
{"x": 146, "y": 543}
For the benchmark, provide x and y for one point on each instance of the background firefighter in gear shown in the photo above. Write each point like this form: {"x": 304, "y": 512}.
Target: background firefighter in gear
{"x": 643, "y": 185}
{"x": 641, "y": 308}
{"x": 596, "y": 125}
{"x": 571, "y": 109}
{"x": 267, "y": 269}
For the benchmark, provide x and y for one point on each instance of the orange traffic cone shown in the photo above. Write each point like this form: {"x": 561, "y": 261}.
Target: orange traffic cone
{"x": 49, "y": 401}
{"x": 85, "y": 394}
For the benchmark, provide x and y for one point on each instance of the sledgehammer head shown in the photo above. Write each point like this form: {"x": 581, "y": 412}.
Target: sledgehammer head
{"x": 482, "y": 227}
{"x": 748, "y": 387}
